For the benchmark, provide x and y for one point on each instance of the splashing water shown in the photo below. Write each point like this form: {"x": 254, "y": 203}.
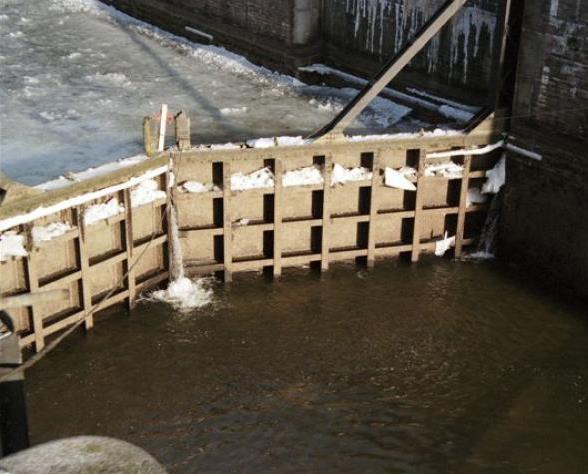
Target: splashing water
{"x": 182, "y": 293}
{"x": 487, "y": 245}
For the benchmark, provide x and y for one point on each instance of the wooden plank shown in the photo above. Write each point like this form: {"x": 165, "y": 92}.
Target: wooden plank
{"x": 325, "y": 241}
{"x": 86, "y": 296}
{"x": 375, "y": 186}
{"x": 462, "y": 212}
{"x": 227, "y": 224}
{"x": 62, "y": 281}
{"x": 129, "y": 247}
{"x": 33, "y": 287}
{"x": 151, "y": 282}
{"x": 418, "y": 215}
{"x": 278, "y": 209}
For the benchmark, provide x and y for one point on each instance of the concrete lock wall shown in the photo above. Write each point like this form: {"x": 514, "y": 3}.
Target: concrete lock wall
{"x": 286, "y": 226}
{"x": 545, "y": 222}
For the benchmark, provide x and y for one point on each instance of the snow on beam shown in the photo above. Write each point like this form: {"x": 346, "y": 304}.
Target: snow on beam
{"x": 78, "y": 200}
{"x": 471, "y": 151}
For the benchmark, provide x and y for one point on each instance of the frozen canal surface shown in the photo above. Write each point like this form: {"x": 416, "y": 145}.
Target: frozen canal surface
{"x": 77, "y": 78}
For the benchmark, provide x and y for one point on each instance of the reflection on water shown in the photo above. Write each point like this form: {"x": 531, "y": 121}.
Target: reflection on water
{"x": 434, "y": 368}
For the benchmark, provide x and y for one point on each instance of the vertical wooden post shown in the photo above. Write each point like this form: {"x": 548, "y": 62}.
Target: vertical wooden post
{"x": 418, "y": 208}
{"x": 227, "y": 225}
{"x": 169, "y": 180}
{"x": 33, "y": 287}
{"x": 463, "y": 203}
{"x": 278, "y": 204}
{"x": 130, "y": 244}
{"x": 371, "y": 253}
{"x": 84, "y": 269}
{"x": 325, "y": 242}
{"x": 162, "y": 128}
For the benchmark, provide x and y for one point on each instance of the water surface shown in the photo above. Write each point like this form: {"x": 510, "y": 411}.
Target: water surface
{"x": 434, "y": 368}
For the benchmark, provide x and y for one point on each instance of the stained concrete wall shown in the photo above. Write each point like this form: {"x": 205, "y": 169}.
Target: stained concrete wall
{"x": 373, "y": 30}
{"x": 545, "y": 221}
{"x": 354, "y": 35}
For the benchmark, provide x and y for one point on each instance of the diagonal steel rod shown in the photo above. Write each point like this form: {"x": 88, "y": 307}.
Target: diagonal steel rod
{"x": 391, "y": 69}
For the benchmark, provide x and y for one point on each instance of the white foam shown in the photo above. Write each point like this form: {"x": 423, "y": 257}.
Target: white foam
{"x": 185, "y": 294}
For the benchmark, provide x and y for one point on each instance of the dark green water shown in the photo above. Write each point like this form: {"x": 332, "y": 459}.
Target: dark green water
{"x": 440, "y": 367}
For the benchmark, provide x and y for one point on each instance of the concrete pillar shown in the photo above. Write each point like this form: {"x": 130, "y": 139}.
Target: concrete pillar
{"x": 306, "y": 21}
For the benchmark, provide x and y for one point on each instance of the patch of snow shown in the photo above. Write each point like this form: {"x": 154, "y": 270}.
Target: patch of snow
{"x": 185, "y": 294}
{"x": 232, "y": 111}
{"x": 49, "y": 232}
{"x": 3, "y": 17}
{"x": 197, "y": 187}
{"x": 276, "y": 141}
{"x": 496, "y": 178}
{"x": 475, "y": 196}
{"x": 146, "y": 192}
{"x": 12, "y": 245}
{"x": 395, "y": 179}
{"x": 225, "y": 146}
{"x": 91, "y": 173}
{"x": 13, "y": 221}
{"x": 262, "y": 178}
{"x": 456, "y": 114}
{"x": 444, "y": 170}
{"x": 243, "y": 222}
{"x": 302, "y": 176}
{"x": 342, "y": 175}
{"x": 98, "y": 212}
{"x": 443, "y": 100}
{"x": 438, "y": 132}
{"x": 110, "y": 79}
{"x": 442, "y": 246}
{"x": 471, "y": 151}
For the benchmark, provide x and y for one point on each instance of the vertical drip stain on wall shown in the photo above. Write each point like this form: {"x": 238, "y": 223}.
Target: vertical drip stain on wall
{"x": 382, "y": 27}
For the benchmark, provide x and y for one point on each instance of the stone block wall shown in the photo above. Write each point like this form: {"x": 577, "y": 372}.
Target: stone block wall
{"x": 552, "y": 84}
{"x": 545, "y": 219}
